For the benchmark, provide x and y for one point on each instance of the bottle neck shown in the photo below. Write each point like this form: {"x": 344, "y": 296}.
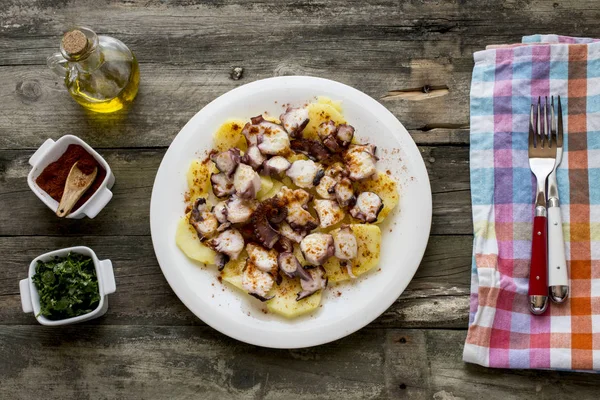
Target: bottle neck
{"x": 91, "y": 62}
{"x": 81, "y": 49}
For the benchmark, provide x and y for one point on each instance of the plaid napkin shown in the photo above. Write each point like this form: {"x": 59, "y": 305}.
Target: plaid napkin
{"x": 506, "y": 80}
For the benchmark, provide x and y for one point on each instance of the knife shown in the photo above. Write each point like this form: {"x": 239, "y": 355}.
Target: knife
{"x": 558, "y": 277}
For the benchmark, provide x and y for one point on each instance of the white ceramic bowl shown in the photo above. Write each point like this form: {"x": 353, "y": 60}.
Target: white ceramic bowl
{"x": 30, "y": 300}
{"x": 51, "y": 151}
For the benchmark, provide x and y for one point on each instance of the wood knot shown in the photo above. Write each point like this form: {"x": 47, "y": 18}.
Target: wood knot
{"x": 29, "y": 91}
{"x": 286, "y": 69}
{"x": 236, "y": 73}
{"x": 402, "y": 386}
{"x": 417, "y": 94}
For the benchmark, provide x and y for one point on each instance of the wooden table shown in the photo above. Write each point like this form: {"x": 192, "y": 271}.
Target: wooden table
{"x": 414, "y": 56}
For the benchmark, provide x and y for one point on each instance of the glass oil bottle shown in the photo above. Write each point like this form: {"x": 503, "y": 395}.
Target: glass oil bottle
{"x": 100, "y": 72}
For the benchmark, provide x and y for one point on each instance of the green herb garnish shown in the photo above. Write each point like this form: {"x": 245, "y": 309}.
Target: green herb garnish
{"x": 67, "y": 286}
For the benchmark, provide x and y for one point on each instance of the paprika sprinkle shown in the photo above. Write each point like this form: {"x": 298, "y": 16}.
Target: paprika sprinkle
{"x": 53, "y": 178}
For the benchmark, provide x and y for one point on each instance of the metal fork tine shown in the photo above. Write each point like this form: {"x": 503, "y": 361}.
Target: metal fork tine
{"x": 531, "y": 129}
{"x": 560, "y": 124}
{"x": 538, "y": 124}
{"x": 553, "y": 124}
{"x": 546, "y": 133}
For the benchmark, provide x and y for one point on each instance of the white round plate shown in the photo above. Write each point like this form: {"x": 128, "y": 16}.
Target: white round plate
{"x": 344, "y": 308}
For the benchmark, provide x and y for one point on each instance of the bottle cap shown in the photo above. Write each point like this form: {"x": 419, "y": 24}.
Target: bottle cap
{"x": 74, "y": 42}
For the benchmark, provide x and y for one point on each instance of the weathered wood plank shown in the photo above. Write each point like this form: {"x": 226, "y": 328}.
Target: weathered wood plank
{"x": 437, "y": 296}
{"x": 37, "y": 106}
{"x": 186, "y": 64}
{"x": 187, "y": 53}
{"x": 141, "y": 362}
{"x": 440, "y": 136}
{"x": 187, "y": 49}
{"x": 428, "y": 364}
{"x": 127, "y": 214}
{"x": 245, "y": 26}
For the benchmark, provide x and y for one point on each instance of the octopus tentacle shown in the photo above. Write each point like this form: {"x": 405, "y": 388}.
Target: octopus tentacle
{"x": 228, "y": 245}
{"x": 346, "y": 247}
{"x": 203, "y": 220}
{"x": 314, "y": 149}
{"x": 284, "y": 245}
{"x": 256, "y": 282}
{"x": 268, "y": 212}
{"x": 367, "y": 207}
{"x": 222, "y": 185}
{"x": 253, "y": 157}
{"x": 227, "y": 161}
{"x": 305, "y": 173}
{"x": 275, "y": 166}
{"x": 360, "y": 161}
{"x": 294, "y": 120}
{"x": 291, "y": 267}
{"x": 317, "y": 248}
{"x": 317, "y": 282}
{"x": 317, "y": 179}
{"x": 246, "y": 182}
{"x": 344, "y": 134}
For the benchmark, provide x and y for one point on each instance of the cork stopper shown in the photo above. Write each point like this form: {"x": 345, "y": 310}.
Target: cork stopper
{"x": 74, "y": 42}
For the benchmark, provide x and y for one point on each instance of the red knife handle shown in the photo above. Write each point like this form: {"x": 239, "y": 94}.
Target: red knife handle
{"x": 538, "y": 272}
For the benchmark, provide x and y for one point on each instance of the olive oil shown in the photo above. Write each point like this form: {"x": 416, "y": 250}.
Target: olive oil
{"x": 100, "y": 72}
{"x": 106, "y": 95}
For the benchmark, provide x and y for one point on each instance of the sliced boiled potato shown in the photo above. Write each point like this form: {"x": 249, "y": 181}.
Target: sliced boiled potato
{"x": 198, "y": 179}
{"x": 337, "y": 104}
{"x": 266, "y": 183}
{"x": 296, "y": 157}
{"x": 299, "y": 255}
{"x": 318, "y": 113}
{"x": 288, "y": 182}
{"x": 232, "y": 273}
{"x": 187, "y": 240}
{"x": 272, "y": 192}
{"x": 385, "y": 187}
{"x": 284, "y": 303}
{"x": 229, "y": 135}
{"x": 368, "y": 238}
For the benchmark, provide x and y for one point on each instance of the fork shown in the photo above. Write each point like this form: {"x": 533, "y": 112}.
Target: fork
{"x": 542, "y": 155}
{"x": 558, "y": 277}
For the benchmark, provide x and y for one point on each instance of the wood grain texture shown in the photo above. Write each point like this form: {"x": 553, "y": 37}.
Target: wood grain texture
{"x": 160, "y": 362}
{"x": 37, "y": 106}
{"x": 135, "y": 169}
{"x": 437, "y": 296}
{"x": 187, "y": 52}
{"x": 148, "y": 345}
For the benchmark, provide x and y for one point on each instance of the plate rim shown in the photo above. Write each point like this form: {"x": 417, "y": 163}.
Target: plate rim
{"x": 228, "y": 327}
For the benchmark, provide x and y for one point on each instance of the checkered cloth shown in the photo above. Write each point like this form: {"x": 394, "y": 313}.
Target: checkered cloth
{"x": 506, "y": 80}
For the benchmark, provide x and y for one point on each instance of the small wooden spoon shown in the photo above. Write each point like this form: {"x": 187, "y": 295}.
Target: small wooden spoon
{"x": 75, "y": 186}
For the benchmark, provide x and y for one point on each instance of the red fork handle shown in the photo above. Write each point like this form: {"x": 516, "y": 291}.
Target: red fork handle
{"x": 538, "y": 272}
